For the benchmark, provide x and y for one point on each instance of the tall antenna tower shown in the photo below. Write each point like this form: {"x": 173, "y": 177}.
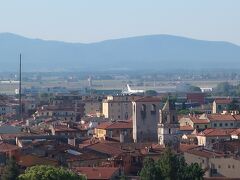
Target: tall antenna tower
{"x": 20, "y": 88}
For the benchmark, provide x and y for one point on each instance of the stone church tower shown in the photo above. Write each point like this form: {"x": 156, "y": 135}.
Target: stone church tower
{"x": 168, "y": 126}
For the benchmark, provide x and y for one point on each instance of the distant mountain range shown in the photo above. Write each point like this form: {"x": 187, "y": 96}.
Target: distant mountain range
{"x": 153, "y": 52}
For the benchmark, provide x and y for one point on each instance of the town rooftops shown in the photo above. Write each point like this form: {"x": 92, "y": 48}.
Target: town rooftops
{"x": 237, "y": 117}
{"x": 98, "y": 172}
{"x": 223, "y": 101}
{"x": 186, "y": 128}
{"x": 236, "y": 132}
{"x": 186, "y": 147}
{"x": 13, "y": 136}
{"x": 32, "y": 160}
{"x": 5, "y": 147}
{"x": 221, "y": 117}
{"x": 216, "y": 132}
{"x": 148, "y": 99}
{"x": 204, "y": 153}
{"x": 63, "y": 128}
{"x": 199, "y": 121}
{"x": 207, "y": 118}
{"x": 105, "y": 148}
{"x": 116, "y": 125}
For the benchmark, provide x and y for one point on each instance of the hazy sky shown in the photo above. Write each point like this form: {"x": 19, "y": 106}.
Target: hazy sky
{"x": 96, "y": 20}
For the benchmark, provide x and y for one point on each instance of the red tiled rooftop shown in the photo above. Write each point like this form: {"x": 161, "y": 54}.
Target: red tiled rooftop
{"x": 199, "y": 121}
{"x": 5, "y": 147}
{"x": 62, "y": 128}
{"x": 116, "y": 125}
{"x": 237, "y": 117}
{"x": 13, "y": 136}
{"x": 186, "y": 128}
{"x": 97, "y": 172}
{"x": 106, "y": 148}
{"x": 32, "y": 160}
{"x": 121, "y": 125}
{"x": 220, "y": 117}
{"x": 236, "y": 132}
{"x": 216, "y": 132}
{"x": 149, "y": 99}
{"x": 223, "y": 100}
{"x": 104, "y": 125}
{"x": 204, "y": 153}
{"x": 186, "y": 147}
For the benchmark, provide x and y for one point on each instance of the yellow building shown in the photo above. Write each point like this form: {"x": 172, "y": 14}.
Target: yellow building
{"x": 199, "y": 123}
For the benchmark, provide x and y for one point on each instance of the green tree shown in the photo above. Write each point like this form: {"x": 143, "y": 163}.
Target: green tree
{"x": 224, "y": 89}
{"x": 43, "y": 172}
{"x": 194, "y": 171}
{"x": 170, "y": 167}
{"x": 151, "y": 93}
{"x": 11, "y": 170}
{"x": 167, "y": 165}
{"x": 194, "y": 89}
{"x": 149, "y": 170}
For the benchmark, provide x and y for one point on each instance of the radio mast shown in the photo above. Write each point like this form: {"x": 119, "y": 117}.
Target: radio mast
{"x": 20, "y": 88}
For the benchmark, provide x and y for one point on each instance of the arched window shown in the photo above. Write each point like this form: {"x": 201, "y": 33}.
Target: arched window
{"x": 143, "y": 111}
{"x": 143, "y": 107}
{"x": 173, "y": 118}
{"x": 126, "y": 115}
{"x": 153, "y": 109}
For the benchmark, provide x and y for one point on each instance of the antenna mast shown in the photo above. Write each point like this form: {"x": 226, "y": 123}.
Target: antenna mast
{"x": 20, "y": 87}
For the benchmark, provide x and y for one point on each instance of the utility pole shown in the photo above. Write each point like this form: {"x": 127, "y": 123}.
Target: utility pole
{"x": 20, "y": 88}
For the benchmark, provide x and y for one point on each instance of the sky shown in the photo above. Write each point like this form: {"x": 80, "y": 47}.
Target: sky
{"x": 96, "y": 20}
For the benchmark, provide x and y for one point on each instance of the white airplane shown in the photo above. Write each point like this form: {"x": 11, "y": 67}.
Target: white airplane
{"x": 131, "y": 91}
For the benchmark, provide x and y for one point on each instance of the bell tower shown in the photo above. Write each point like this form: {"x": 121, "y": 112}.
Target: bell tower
{"x": 168, "y": 125}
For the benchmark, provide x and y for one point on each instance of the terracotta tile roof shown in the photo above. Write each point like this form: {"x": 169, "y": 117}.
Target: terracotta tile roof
{"x": 196, "y": 120}
{"x": 223, "y": 100}
{"x": 85, "y": 156}
{"x": 103, "y": 125}
{"x": 97, "y": 172}
{"x": 237, "y": 117}
{"x": 204, "y": 153}
{"x": 121, "y": 125}
{"x": 106, "y": 148}
{"x": 13, "y": 136}
{"x": 149, "y": 99}
{"x": 32, "y": 160}
{"x": 186, "y": 147}
{"x": 220, "y": 117}
{"x": 62, "y": 128}
{"x": 216, "y": 132}
{"x": 236, "y": 132}
{"x": 186, "y": 128}
{"x": 116, "y": 125}
{"x": 5, "y": 147}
